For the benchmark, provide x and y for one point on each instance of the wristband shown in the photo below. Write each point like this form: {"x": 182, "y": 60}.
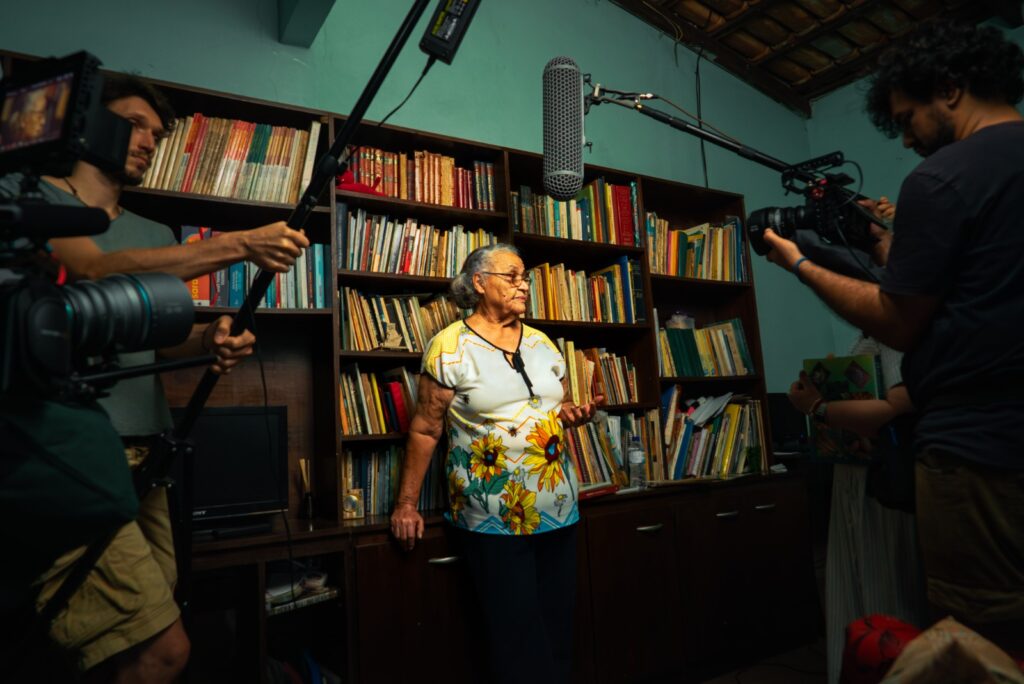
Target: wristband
{"x": 796, "y": 267}
{"x": 814, "y": 406}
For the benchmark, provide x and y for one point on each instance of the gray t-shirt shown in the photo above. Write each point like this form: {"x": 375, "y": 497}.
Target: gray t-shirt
{"x": 137, "y": 406}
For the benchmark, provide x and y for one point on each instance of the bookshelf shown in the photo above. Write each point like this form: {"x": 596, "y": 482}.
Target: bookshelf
{"x": 377, "y": 589}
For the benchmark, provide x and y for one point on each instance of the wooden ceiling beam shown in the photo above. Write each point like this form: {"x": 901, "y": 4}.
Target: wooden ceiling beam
{"x": 730, "y": 60}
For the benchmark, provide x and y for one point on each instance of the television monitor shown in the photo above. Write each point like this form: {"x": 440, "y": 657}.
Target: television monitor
{"x": 240, "y": 464}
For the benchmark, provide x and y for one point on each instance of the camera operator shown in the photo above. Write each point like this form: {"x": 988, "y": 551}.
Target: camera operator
{"x": 950, "y": 297}
{"x": 124, "y": 618}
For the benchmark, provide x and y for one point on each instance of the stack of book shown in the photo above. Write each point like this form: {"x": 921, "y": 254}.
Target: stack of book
{"x": 712, "y": 437}
{"x": 233, "y": 158}
{"x": 425, "y": 177}
{"x": 609, "y": 295}
{"x": 376, "y": 472}
{"x": 596, "y": 371}
{"x": 712, "y": 252}
{"x": 398, "y": 323}
{"x": 715, "y": 350}
{"x": 377, "y": 403}
{"x": 384, "y": 244}
{"x": 597, "y": 448}
{"x": 601, "y": 212}
{"x": 309, "y": 284}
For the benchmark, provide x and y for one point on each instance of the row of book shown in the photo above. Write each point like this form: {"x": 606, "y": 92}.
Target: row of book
{"x": 382, "y": 244}
{"x": 376, "y": 472}
{"x": 714, "y": 350}
{"x": 705, "y": 251}
{"x": 234, "y": 158}
{"x": 601, "y": 212}
{"x": 609, "y": 295}
{"x": 377, "y": 403}
{"x": 424, "y": 177}
{"x": 717, "y": 437}
{"x": 398, "y": 323}
{"x": 309, "y": 284}
{"x": 596, "y": 371}
{"x": 598, "y": 448}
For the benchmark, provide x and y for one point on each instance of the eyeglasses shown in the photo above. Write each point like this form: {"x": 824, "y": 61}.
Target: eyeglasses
{"x": 514, "y": 279}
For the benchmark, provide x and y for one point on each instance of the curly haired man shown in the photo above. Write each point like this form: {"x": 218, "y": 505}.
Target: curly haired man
{"x": 951, "y": 299}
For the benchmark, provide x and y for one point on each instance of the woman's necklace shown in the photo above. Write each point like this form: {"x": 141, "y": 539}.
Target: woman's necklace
{"x": 74, "y": 191}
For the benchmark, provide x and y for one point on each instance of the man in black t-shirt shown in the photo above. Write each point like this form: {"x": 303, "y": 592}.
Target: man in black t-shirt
{"x": 952, "y": 297}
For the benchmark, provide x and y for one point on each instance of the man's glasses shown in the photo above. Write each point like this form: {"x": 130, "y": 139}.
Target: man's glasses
{"x": 514, "y": 279}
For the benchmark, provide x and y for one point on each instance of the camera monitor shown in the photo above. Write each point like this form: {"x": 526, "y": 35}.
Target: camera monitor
{"x": 51, "y": 115}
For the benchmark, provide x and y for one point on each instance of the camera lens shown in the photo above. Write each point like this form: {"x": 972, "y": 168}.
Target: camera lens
{"x": 128, "y": 313}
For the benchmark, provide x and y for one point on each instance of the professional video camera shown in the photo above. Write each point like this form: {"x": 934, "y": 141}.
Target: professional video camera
{"x": 54, "y": 334}
{"x": 831, "y": 228}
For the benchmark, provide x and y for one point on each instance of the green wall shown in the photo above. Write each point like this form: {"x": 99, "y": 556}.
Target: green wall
{"x": 491, "y": 93}
{"x": 839, "y": 122}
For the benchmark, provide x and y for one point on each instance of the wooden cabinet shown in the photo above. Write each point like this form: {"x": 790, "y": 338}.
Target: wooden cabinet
{"x": 746, "y": 583}
{"x": 636, "y": 627}
{"x": 410, "y": 609}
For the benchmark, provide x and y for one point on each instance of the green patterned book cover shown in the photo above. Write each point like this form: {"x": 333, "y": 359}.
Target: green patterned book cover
{"x": 839, "y": 378}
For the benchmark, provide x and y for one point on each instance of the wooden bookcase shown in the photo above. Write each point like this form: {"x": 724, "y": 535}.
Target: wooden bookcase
{"x": 367, "y": 631}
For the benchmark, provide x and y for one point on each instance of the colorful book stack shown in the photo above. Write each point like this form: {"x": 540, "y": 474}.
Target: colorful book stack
{"x": 596, "y": 371}
{"x": 376, "y": 472}
{"x": 598, "y": 447}
{"x": 601, "y": 212}
{"x": 383, "y": 244}
{"x": 425, "y": 177}
{"x": 716, "y": 437}
{"x": 233, "y": 158}
{"x": 706, "y": 251}
{"x": 309, "y": 284}
{"x": 715, "y": 350}
{"x": 609, "y": 295}
{"x": 377, "y": 403}
{"x": 398, "y": 323}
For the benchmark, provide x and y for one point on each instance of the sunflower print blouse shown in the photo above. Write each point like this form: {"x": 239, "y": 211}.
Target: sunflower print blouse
{"x": 507, "y": 469}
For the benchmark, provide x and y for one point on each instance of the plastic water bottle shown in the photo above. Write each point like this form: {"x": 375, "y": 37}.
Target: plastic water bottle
{"x": 637, "y": 464}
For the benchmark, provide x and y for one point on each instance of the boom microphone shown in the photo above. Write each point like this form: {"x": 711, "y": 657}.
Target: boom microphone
{"x": 563, "y": 128}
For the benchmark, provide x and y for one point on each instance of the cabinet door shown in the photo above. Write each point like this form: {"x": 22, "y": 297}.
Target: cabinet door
{"x": 409, "y": 610}
{"x": 748, "y": 584}
{"x": 636, "y": 624}
{"x": 784, "y": 608}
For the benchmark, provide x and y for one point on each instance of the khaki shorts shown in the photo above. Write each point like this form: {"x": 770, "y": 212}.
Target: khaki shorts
{"x": 128, "y": 597}
{"x": 970, "y": 521}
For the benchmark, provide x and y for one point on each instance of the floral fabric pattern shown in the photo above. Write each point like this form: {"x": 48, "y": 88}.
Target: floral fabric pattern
{"x": 507, "y": 467}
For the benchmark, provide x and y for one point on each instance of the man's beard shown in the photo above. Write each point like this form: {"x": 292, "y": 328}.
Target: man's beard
{"x": 127, "y": 180}
{"x": 945, "y": 134}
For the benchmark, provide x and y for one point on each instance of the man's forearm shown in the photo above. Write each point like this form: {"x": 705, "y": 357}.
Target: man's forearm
{"x": 192, "y": 346}
{"x": 184, "y": 261}
{"x": 860, "y": 303}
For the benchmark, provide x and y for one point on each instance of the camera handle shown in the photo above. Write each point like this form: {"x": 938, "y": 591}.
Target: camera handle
{"x": 175, "y": 442}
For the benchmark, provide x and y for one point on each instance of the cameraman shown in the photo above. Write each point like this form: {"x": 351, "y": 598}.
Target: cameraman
{"x": 124, "y": 615}
{"x": 950, "y": 297}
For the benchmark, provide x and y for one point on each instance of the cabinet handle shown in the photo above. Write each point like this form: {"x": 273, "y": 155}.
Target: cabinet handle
{"x": 650, "y": 528}
{"x": 765, "y": 507}
{"x": 443, "y": 560}
{"x": 727, "y": 514}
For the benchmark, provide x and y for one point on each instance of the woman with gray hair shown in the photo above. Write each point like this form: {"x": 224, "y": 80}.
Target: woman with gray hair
{"x": 512, "y": 490}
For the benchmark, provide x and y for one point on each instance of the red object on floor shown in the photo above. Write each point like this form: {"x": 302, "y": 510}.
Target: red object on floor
{"x": 346, "y": 181}
{"x": 872, "y": 644}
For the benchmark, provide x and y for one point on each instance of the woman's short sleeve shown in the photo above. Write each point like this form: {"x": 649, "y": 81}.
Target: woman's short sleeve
{"x": 441, "y": 361}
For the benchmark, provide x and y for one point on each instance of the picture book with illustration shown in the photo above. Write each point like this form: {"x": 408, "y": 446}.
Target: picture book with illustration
{"x": 840, "y": 378}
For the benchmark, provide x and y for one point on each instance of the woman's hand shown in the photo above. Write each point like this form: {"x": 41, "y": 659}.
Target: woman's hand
{"x": 406, "y": 525}
{"x": 803, "y": 394}
{"x": 572, "y": 415}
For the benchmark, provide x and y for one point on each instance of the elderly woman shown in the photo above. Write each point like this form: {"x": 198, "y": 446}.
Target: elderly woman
{"x": 512, "y": 489}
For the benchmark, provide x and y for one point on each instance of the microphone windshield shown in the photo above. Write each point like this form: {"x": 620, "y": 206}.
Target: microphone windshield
{"x": 563, "y": 128}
